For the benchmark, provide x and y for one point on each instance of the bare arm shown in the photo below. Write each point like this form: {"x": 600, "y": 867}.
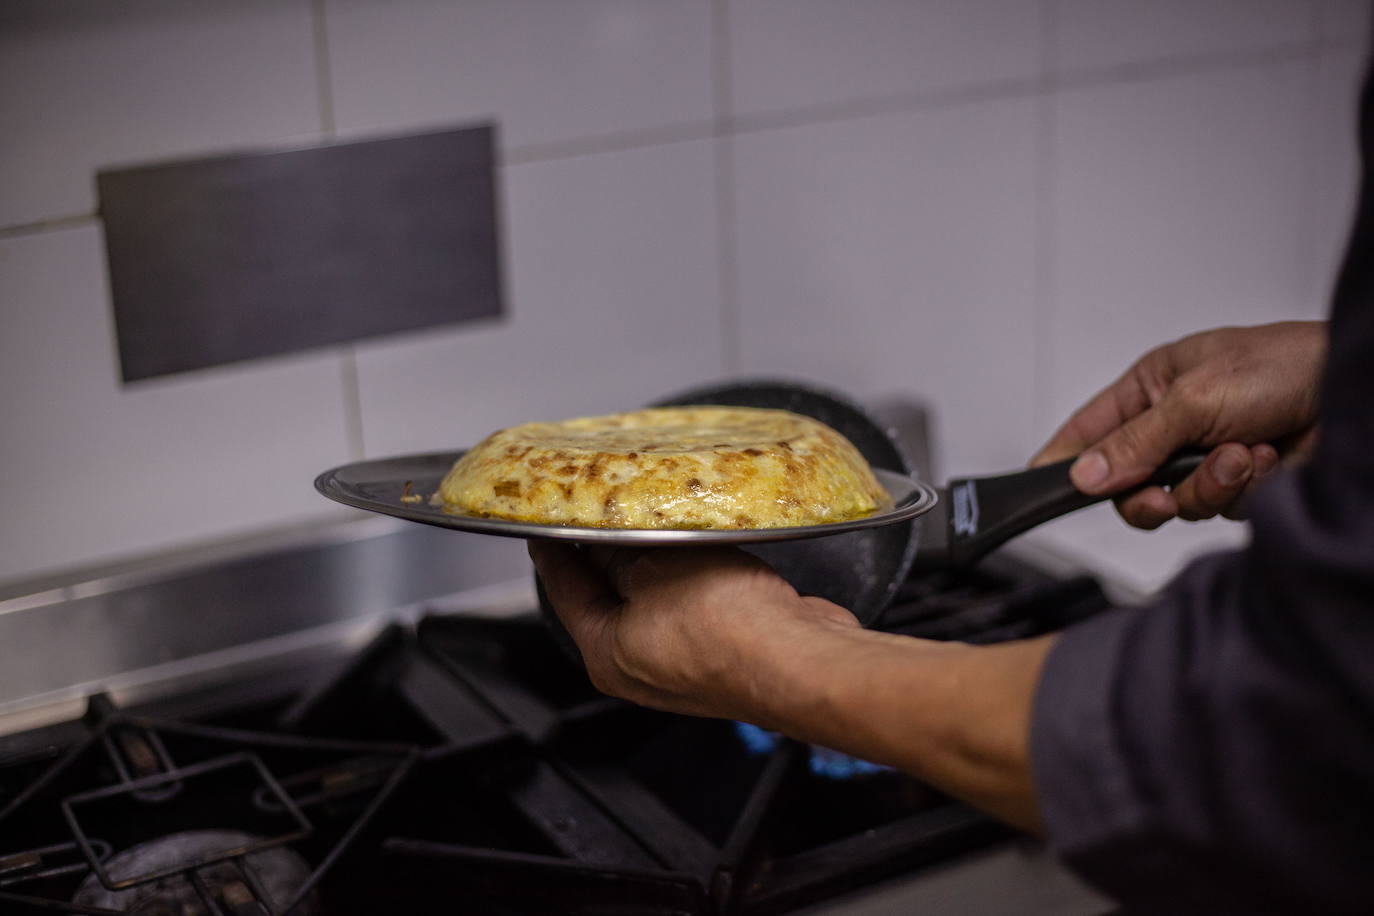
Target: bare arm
{"x": 717, "y": 633}
{"x": 954, "y": 715}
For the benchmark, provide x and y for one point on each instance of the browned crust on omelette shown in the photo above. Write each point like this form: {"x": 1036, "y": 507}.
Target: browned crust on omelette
{"x": 666, "y": 467}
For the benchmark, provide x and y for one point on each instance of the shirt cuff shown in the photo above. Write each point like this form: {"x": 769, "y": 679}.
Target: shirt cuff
{"x": 1081, "y": 773}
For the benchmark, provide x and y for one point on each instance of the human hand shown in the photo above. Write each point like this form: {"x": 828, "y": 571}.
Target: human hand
{"x": 1249, "y": 393}
{"x": 705, "y": 632}
{"x": 713, "y": 632}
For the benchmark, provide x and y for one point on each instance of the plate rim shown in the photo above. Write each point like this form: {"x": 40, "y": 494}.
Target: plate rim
{"x": 920, "y": 501}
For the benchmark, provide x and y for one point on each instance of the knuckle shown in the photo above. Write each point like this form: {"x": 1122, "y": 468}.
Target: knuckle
{"x": 1155, "y": 362}
{"x": 1128, "y": 447}
{"x": 1192, "y": 401}
{"x": 1141, "y": 511}
{"x": 636, "y": 569}
{"x": 602, "y": 679}
{"x": 1203, "y": 496}
{"x": 1128, "y": 441}
{"x": 630, "y": 669}
{"x": 619, "y": 662}
{"x": 1136, "y": 514}
{"x": 630, "y": 568}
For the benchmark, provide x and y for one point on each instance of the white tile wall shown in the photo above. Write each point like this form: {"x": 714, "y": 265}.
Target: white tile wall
{"x": 1177, "y": 208}
{"x": 1344, "y": 22}
{"x": 1091, "y": 34}
{"x": 802, "y": 53}
{"x": 879, "y": 254}
{"x": 1333, "y": 165}
{"x": 613, "y": 300}
{"x": 896, "y": 254}
{"x": 94, "y": 471}
{"x": 550, "y": 69}
{"x": 86, "y": 85}
{"x": 613, "y": 303}
{"x": 1143, "y": 561}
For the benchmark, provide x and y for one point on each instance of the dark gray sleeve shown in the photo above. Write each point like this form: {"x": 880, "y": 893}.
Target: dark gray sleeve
{"x": 1213, "y": 752}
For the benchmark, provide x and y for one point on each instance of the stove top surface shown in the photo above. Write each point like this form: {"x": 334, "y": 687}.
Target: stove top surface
{"x": 466, "y": 764}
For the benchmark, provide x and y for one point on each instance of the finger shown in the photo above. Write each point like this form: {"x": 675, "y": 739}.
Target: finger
{"x": 627, "y": 569}
{"x": 1108, "y": 409}
{"x": 1147, "y": 509}
{"x": 1294, "y": 450}
{"x": 609, "y": 561}
{"x": 637, "y": 573}
{"x": 1218, "y": 483}
{"x": 1266, "y": 461}
{"x": 582, "y": 597}
{"x": 1128, "y": 455}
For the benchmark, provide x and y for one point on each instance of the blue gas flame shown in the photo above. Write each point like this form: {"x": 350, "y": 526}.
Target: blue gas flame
{"x": 824, "y": 762}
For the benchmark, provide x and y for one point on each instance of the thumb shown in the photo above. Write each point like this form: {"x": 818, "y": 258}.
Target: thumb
{"x": 1132, "y": 452}
{"x": 581, "y": 595}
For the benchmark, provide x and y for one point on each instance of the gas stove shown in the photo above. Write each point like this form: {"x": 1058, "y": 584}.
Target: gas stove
{"x": 441, "y": 754}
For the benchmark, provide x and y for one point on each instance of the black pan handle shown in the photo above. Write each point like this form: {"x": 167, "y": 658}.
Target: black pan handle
{"x": 983, "y": 513}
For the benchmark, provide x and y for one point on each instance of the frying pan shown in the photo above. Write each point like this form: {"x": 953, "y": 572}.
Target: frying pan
{"x": 859, "y": 569}
{"x": 862, "y": 569}
{"x": 400, "y": 486}
{"x": 858, "y": 565}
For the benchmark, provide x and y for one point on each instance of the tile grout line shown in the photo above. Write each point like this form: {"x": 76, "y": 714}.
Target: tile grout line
{"x": 56, "y": 224}
{"x": 881, "y": 105}
{"x": 898, "y": 103}
{"x": 350, "y": 389}
{"x": 727, "y": 255}
{"x": 551, "y": 151}
{"x": 1043, "y": 225}
{"x": 1184, "y": 65}
{"x": 352, "y": 401}
{"x": 1312, "y": 292}
{"x": 730, "y": 126}
{"x": 324, "y": 75}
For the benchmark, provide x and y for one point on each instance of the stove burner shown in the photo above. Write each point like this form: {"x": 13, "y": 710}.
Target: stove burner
{"x": 466, "y": 764}
{"x": 49, "y": 862}
{"x": 823, "y": 761}
{"x": 215, "y": 846}
{"x": 252, "y": 885}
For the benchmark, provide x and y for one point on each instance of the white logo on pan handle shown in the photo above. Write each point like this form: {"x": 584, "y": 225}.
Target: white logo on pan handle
{"x": 965, "y": 496}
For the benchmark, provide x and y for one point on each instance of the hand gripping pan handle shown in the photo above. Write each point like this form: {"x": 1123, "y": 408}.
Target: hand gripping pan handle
{"x": 978, "y": 514}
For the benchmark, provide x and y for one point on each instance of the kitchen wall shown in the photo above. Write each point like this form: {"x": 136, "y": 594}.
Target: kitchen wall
{"x": 991, "y": 204}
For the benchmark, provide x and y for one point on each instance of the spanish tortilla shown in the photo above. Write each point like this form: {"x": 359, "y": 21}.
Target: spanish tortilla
{"x": 693, "y": 467}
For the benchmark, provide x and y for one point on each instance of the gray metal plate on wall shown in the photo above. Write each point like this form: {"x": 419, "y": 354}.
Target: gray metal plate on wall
{"x": 234, "y": 257}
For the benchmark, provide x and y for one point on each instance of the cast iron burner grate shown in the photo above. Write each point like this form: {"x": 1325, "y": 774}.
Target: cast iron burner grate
{"x": 151, "y": 817}
{"x": 468, "y": 766}
{"x": 639, "y": 812}
{"x": 719, "y": 821}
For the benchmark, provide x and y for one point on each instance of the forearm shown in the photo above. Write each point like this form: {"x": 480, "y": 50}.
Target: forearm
{"x": 954, "y": 715}
{"x": 717, "y": 633}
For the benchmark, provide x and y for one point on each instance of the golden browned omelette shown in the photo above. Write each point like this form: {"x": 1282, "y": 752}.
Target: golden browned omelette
{"x": 666, "y": 467}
